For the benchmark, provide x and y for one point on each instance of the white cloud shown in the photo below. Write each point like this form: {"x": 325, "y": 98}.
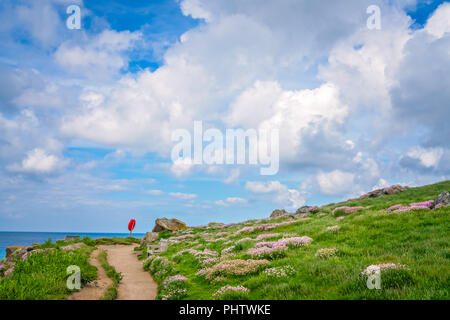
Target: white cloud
{"x": 335, "y": 182}
{"x": 154, "y": 192}
{"x": 99, "y": 57}
{"x": 181, "y": 167}
{"x": 233, "y": 176}
{"x": 381, "y": 184}
{"x": 439, "y": 23}
{"x": 38, "y": 161}
{"x": 183, "y": 196}
{"x": 195, "y": 9}
{"x": 281, "y": 194}
{"x": 295, "y": 113}
{"x": 231, "y": 201}
{"x": 428, "y": 157}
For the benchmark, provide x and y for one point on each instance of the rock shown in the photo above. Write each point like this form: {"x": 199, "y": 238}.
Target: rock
{"x": 278, "y": 213}
{"x": 306, "y": 209}
{"x": 12, "y": 252}
{"x": 443, "y": 199}
{"x": 168, "y": 224}
{"x": 385, "y": 191}
{"x": 71, "y": 238}
{"x": 149, "y": 238}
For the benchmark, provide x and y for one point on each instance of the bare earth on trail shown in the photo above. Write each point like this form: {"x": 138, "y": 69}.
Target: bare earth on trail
{"x": 93, "y": 290}
{"x": 136, "y": 284}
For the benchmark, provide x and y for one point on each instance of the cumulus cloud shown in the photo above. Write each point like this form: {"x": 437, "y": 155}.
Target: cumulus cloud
{"x": 100, "y": 56}
{"x": 420, "y": 96}
{"x": 297, "y": 114}
{"x": 279, "y": 193}
{"x": 38, "y": 161}
{"x": 422, "y": 158}
{"x": 439, "y": 22}
{"x": 335, "y": 182}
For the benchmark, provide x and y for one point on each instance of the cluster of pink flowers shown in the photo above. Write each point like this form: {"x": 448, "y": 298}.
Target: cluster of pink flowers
{"x": 221, "y": 234}
{"x": 340, "y": 218}
{"x": 279, "y": 272}
{"x": 347, "y": 209}
{"x": 245, "y": 229}
{"x": 326, "y": 252}
{"x": 235, "y": 267}
{"x": 264, "y": 227}
{"x": 375, "y": 267}
{"x": 210, "y": 261}
{"x": 394, "y": 189}
{"x": 229, "y": 225}
{"x": 182, "y": 237}
{"x": 270, "y": 252}
{"x": 201, "y": 254}
{"x": 295, "y": 241}
{"x": 273, "y": 248}
{"x": 268, "y": 235}
{"x": 9, "y": 271}
{"x": 333, "y": 228}
{"x": 413, "y": 206}
{"x": 72, "y": 246}
{"x": 174, "y": 278}
{"x": 244, "y": 239}
{"x": 29, "y": 253}
{"x": 227, "y": 288}
{"x": 175, "y": 292}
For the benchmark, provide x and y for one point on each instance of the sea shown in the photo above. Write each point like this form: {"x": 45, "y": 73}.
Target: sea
{"x": 28, "y": 238}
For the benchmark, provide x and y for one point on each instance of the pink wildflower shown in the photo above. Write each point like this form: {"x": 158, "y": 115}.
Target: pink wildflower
{"x": 227, "y": 288}
{"x": 375, "y": 267}
{"x": 268, "y": 235}
{"x": 9, "y": 271}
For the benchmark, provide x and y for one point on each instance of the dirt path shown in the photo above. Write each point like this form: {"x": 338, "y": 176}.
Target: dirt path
{"x": 94, "y": 290}
{"x": 136, "y": 284}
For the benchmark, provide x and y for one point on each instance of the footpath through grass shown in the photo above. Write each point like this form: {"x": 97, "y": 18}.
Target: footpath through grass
{"x": 42, "y": 273}
{"x": 111, "y": 292}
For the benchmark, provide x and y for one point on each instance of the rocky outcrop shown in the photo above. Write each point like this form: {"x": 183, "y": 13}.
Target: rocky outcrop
{"x": 149, "y": 238}
{"x": 443, "y": 199}
{"x": 385, "y": 191}
{"x": 278, "y": 213}
{"x": 71, "y": 238}
{"x": 13, "y": 252}
{"x": 168, "y": 224}
{"x": 307, "y": 209}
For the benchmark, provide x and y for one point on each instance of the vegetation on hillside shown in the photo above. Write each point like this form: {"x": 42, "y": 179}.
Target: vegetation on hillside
{"x": 42, "y": 275}
{"x": 319, "y": 256}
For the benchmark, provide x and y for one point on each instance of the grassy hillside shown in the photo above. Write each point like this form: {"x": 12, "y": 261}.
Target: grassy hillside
{"x": 200, "y": 261}
{"x": 41, "y": 274}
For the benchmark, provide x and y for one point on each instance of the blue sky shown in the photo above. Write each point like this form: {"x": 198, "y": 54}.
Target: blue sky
{"x": 86, "y": 116}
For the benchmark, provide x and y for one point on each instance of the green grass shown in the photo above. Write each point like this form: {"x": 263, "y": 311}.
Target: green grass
{"x": 111, "y": 292}
{"x": 43, "y": 276}
{"x": 418, "y": 239}
{"x": 117, "y": 240}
